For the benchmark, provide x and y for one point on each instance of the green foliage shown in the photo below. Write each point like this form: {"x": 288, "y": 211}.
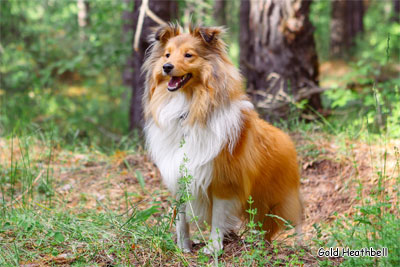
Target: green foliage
{"x": 370, "y": 93}
{"x": 42, "y": 41}
{"x": 367, "y": 96}
{"x": 140, "y": 178}
{"x": 95, "y": 118}
{"x": 257, "y": 252}
{"x": 374, "y": 107}
{"x": 320, "y": 16}
{"x": 200, "y": 11}
{"x": 57, "y": 75}
{"x": 373, "y": 45}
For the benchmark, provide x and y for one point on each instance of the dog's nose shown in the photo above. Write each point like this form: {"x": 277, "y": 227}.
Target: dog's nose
{"x": 167, "y": 67}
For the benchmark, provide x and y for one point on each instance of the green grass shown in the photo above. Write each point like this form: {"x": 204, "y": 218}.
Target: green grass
{"x": 38, "y": 226}
{"x": 40, "y": 234}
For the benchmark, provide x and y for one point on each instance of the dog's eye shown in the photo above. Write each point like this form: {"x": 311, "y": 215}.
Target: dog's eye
{"x": 188, "y": 55}
{"x": 167, "y": 55}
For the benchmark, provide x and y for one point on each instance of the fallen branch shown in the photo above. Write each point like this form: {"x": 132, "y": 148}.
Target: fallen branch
{"x": 302, "y": 94}
{"x": 310, "y": 92}
{"x": 144, "y": 10}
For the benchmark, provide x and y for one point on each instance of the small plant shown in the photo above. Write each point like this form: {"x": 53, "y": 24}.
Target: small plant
{"x": 256, "y": 253}
{"x": 184, "y": 196}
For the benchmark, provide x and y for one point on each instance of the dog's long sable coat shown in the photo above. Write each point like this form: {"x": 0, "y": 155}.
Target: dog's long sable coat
{"x": 194, "y": 92}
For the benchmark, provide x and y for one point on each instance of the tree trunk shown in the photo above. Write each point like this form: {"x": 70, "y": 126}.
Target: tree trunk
{"x": 166, "y": 10}
{"x": 278, "y": 55}
{"x": 346, "y": 23}
{"x": 219, "y": 12}
{"x": 396, "y": 10}
{"x": 83, "y": 12}
{"x": 83, "y": 17}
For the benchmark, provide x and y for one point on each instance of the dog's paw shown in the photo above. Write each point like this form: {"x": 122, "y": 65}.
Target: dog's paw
{"x": 185, "y": 246}
{"x": 212, "y": 249}
{"x": 208, "y": 251}
{"x": 186, "y": 250}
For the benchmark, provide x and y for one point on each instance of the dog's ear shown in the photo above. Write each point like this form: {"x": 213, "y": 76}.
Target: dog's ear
{"x": 209, "y": 35}
{"x": 164, "y": 32}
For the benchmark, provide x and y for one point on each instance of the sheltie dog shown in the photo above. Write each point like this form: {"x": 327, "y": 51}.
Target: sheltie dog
{"x": 195, "y": 106}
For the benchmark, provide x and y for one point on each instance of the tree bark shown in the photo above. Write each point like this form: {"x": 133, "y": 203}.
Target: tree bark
{"x": 166, "y": 10}
{"x": 346, "y": 23}
{"x": 278, "y": 55}
{"x": 220, "y": 12}
{"x": 396, "y": 10}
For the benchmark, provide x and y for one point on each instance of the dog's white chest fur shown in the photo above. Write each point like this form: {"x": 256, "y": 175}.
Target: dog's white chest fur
{"x": 201, "y": 144}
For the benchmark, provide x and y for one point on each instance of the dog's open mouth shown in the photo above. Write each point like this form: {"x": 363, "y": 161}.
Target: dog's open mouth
{"x": 177, "y": 82}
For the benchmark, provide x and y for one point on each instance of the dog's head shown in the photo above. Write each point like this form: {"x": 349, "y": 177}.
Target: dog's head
{"x": 195, "y": 63}
{"x": 184, "y": 58}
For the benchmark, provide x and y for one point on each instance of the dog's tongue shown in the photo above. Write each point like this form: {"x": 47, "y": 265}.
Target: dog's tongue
{"x": 174, "y": 82}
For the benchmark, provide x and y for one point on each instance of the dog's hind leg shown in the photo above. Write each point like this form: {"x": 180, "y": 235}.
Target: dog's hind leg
{"x": 290, "y": 210}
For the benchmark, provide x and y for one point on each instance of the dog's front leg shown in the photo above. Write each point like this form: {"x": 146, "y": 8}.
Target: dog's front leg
{"x": 182, "y": 230}
{"x": 223, "y": 219}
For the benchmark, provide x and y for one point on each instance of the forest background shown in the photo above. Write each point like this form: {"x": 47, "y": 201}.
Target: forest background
{"x": 76, "y": 184}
